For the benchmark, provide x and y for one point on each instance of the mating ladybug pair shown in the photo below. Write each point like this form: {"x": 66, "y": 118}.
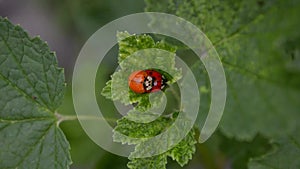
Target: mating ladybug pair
{"x": 146, "y": 81}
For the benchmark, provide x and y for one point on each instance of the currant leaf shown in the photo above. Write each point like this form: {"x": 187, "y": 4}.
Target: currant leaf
{"x": 117, "y": 89}
{"x": 155, "y": 162}
{"x": 184, "y": 151}
{"x": 263, "y": 84}
{"x": 31, "y": 89}
{"x": 128, "y": 130}
{"x": 258, "y": 42}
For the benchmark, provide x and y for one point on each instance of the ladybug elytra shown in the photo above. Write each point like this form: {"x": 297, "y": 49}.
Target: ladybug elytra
{"x": 146, "y": 81}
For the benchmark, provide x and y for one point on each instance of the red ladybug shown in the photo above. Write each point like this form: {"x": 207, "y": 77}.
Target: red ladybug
{"x": 146, "y": 81}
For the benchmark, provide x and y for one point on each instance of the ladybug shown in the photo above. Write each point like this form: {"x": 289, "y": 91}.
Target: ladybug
{"x": 146, "y": 81}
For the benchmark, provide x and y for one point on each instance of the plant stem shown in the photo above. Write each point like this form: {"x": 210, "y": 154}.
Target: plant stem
{"x": 62, "y": 118}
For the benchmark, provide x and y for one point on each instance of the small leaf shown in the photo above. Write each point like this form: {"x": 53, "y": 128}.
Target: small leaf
{"x": 128, "y": 44}
{"x": 31, "y": 89}
{"x": 106, "y": 91}
{"x": 139, "y": 133}
{"x": 155, "y": 162}
{"x": 184, "y": 151}
{"x": 161, "y": 57}
{"x": 139, "y": 130}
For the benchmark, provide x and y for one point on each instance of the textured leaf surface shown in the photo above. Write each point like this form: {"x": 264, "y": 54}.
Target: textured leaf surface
{"x": 31, "y": 89}
{"x": 258, "y": 42}
{"x": 134, "y": 132}
{"x": 254, "y": 39}
{"x": 140, "y": 130}
{"x": 285, "y": 155}
{"x": 155, "y": 162}
{"x": 184, "y": 151}
{"x": 117, "y": 88}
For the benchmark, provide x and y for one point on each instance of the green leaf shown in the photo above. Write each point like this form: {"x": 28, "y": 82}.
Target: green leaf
{"x": 155, "y": 162}
{"x": 139, "y": 133}
{"x": 258, "y": 42}
{"x": 139, "y": 130}
{"x": 133, "y": 45}
{"x": 31, "y": 89}
{"x": 285, "y": 155}
{"x": 253, "y": 39}
{"x": 106, "y": 91}
{"x": 184, "y": 151}
{"x": 133, "y": 132}
{"x": 239, "y": 152}
{"x": 129, "y": 44}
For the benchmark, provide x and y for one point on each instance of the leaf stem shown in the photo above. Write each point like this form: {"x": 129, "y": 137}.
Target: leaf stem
{"x": 62, "y": 118}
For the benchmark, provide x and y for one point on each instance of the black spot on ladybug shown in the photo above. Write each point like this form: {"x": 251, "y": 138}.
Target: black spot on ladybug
{"x": 146, "y": 81}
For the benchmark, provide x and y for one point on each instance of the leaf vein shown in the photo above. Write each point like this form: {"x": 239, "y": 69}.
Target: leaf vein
{"x": 21, "y": 91}
{"x": 24, "y": 120}
{"x": 22, "y": 70}
{"x": 35, "y": 144}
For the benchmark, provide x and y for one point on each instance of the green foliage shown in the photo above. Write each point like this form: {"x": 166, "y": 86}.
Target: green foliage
{"x": 31, "y": 89}
{"x": 184, "y": 150}
{"x": 285, "y": 155}
{"x": 155, "y": 162}
{"x": 252, "y": 54}
{"x": 239, "y": 152}
{"x": 133, "y": 132}
{"x": 182, "y": 153}
{"x": 140, "y": 130}
{"x": 106, "y": 91}
{"x": 258, "y": 42}
{"x": 117, "y": 88}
